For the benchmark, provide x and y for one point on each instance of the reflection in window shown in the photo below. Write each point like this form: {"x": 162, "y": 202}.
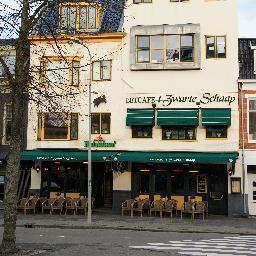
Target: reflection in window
{"x": 100, "y": 123}
{"x": 252, "y": 119}
{"x": 101, "y": 70}
{"x": 215, "y": 47}
{"x": 216, "y": 132}
{"x": 161, "y": 184}
{"x": 178, "y": 133}
{"x": 177, "y": 186}
{"x": 142, "y": 131}
{"x": 165, "y": 48}
{"x": 144, "y": 183}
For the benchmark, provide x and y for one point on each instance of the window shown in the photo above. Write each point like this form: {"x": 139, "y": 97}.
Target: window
{"x": 75, "y": 17}
{"x": 236, "y": 185}
{"x": 252, "y": 119}
{"x": 178, "y": 133}
{"x": 57, "y": 126}
{"x": 165, "y": 48}
{"x": 161, "y": 184}
{"x": 60, "y": 71}
{"x": 101, "y": 70}
{"x": 7, "y": 124}
{"x": 141, "y": 131}
{"x": 177, "y": 184}
{"x": 215, "y": 47}
{"x": 100, "y": 123}
{"x": 213, "y": 132}
{"x": 10, "y": 62}
{"x": 141, "y": 1}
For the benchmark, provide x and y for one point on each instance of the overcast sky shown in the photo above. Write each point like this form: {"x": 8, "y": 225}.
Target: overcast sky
{"x": 247, "y": 18}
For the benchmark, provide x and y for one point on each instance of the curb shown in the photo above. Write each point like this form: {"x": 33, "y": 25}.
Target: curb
{"x": 95, "y": 227}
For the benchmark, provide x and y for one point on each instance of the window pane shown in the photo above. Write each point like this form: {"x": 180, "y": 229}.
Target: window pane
{"x": 161, "y": 184}
{"x": 221, "y": 47}
{"x": 56, "y": 126}
{"x": 106, "y": 70}
{"x": 178, "y": 133}
{"x": 57, "y": 72}
{"x": 95, "y": 123}
{"x": 96, "y": 71}
{"x": 186, "y": 41}
{"x": 177, "y": 181}
{"x": 187, "y": 55}
{"x": 143, "y": 42}
{"x": 144, "y": 183}
{"x": 39, "y": 126}
{"x": 8, "y": 128}
{"x": 157, "y": 42}
{"x": 91, "y": 17}
{"x": 142, "y": 131}
{"x": 74, "y": 126}
{"x": 172, "y": 51}
{"x": 252, "y": 104}
{"x": 75, "y": 73}
{"x": 157, "y": 56}
{"x": 64, "y": 17}
{"x": 210, "y": 47}
{"x": 143, "y": 56}
{"x": 10, "y": 62}
{"x": 216, "y": 132}
{"x": 105, "y": 123}
{"x": 83, "y": 17}
{"x": 72, "y": 18}
{"x": 252, "y": 125}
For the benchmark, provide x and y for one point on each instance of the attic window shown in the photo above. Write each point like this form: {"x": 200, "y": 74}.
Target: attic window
{"x": 253, "y": 47}
{"x": 79, "y": 17}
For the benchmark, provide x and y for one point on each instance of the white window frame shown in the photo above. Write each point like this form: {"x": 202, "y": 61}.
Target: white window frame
{"x": 252, "y": 97}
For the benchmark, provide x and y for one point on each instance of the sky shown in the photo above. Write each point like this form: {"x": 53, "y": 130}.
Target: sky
{"x": 247, "y": 18}
{"x": 246, "y": 12}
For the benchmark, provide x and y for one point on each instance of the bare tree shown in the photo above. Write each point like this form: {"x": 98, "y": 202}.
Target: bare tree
{"x": 19, "y": 21}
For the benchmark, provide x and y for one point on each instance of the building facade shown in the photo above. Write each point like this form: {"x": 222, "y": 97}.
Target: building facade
{"x": 165, "y": 103}
{"x": 247, "y": 93}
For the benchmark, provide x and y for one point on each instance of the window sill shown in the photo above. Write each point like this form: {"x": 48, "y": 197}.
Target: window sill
{"x": 167, "y": 66}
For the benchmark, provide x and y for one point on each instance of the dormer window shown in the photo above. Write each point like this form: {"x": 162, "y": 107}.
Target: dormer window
{"x": 79, "y": 17}
{"x": 253, "y": 48}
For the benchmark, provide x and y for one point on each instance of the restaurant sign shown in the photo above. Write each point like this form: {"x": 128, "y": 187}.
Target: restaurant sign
{"x": 170, "y": 99}
{"x": 99, "y": 142}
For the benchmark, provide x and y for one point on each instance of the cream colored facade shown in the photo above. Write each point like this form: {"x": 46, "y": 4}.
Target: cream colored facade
{"x": 129, "y": 86}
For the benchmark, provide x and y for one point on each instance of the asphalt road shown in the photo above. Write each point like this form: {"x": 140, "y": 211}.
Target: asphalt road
{"x": 69, "y": 242}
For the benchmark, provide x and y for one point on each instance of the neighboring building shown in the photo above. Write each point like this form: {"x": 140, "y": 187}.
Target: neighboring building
{"x": 247, "y": 106}
{"x": 7, "y": 51}
{"x": 166, "y": 103}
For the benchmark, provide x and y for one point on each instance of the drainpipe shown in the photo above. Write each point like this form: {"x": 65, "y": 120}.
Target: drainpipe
{"x": 243, "y": 146}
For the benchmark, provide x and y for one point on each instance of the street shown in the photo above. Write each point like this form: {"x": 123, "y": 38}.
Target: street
{"x": 69, "y": 242}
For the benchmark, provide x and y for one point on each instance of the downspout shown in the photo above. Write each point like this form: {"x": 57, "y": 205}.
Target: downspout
{"x": 243, "y": 146}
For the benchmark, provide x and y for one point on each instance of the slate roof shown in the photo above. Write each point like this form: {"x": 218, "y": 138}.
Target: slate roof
{"x": 246, "y": 58}
{"x": 111, "y": 21}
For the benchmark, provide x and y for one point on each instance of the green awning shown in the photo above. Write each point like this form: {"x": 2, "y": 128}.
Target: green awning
{"x": 216, "y": 117}
{"x": 175, "y": 117}
{"x": 132, "y": 156}
{"x": 140, "y": 117}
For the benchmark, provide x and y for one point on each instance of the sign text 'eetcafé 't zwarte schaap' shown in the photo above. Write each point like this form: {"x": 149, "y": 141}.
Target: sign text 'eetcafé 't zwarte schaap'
{"x": 170, "y": 99}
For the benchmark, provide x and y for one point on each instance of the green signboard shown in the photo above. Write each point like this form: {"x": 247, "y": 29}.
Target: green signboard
{"x": 100, "y": 144}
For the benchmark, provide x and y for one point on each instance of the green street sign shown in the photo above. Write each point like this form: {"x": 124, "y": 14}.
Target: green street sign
{"x": 100, "y": 144}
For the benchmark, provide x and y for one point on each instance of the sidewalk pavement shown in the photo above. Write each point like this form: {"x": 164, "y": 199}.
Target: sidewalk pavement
{"x": 110, "y": 220}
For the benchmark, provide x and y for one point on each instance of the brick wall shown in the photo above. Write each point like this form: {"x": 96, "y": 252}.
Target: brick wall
{"x": 247, "y": 145}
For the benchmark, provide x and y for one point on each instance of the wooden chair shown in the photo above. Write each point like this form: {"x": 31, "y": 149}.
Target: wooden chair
{"x": 169, "y": 206}
{"x": 199, "y": 209}
{"x": 23, "y": 205}
{"x": 206, "y": 208}
{"x": 193, "y": 209}
{"x": 127, "y": 206}
{"x": 58, "y": 205}
{"x": 188, "y": 207}
{"x": 47, "y": 205}
{"x": 81, "y": 205}
{"x": 33, "y": 203}
{"x": 71, "y": 205}
{"x": 156, "y": 206}
{"x": 140, "y": 206}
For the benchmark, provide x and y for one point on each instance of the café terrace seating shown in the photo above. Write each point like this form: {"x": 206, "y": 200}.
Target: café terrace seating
{"x": 57, "y": 205}
{"x": 165, "y": 206}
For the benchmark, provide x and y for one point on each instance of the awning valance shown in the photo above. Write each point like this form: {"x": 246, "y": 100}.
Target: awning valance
{"x": 132, "y": 156}
{"x": 176, "y": 117}
{"x": 216, "y": 117}
{"x": 140, "y": 117}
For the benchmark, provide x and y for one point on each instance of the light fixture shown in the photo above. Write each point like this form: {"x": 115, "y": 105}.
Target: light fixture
{"x": 145, "y": 170}
{"x": 85, "y": 162}
{"x": 56, "y": 162}
{"x": 193, "y": 171}
{"x": 38, "y": 169}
